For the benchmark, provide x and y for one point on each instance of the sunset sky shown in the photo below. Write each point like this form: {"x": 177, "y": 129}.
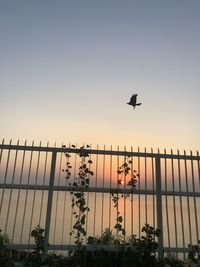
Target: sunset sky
{"x": 67, "y": 69}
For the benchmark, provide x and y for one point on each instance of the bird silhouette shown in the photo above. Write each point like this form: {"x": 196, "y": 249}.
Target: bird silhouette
{"x": 133, "y": 101}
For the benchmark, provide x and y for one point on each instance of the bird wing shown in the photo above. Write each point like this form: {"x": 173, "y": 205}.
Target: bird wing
{"x": 133, "y": 99}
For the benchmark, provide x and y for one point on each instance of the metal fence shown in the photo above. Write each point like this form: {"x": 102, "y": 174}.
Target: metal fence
{"x": 33, "y": 192}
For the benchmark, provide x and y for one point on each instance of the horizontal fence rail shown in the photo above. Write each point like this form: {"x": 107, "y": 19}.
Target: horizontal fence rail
{"x": 34, "y": 191}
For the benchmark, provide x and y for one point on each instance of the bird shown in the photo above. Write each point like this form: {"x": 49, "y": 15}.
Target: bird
{"x": 133, "y": 101}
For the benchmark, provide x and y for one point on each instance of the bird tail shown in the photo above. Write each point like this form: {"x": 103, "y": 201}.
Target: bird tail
{"x": 138, "y": 104}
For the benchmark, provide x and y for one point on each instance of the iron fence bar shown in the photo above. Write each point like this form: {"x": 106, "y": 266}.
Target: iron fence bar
{"x": 145, "y": 186}
{"x": 5, "y": 178}
{"x": 188, "y": 203}
{"x": 174, "y": 203}
{"x": 72, "y": 208}
{"x": 99, "y": 190}
{"x": 18, "y": 197}
{"x": 132, "y": 169}
{"x": 198, "y": 168}
{"x": 153, "y": 188}
{"x": 88, "y": 199}
{"x": 181, "y": 205}
{"x": 95, "y": 195}
{"x": 11, "y": 189}
{"x": 57, "y": 196}
{"x": 49, "y": 202}
{"x": 139, "y": 206}
{"x": 102, "y": 200}
{"x": 1, "y": 153}
{"x": 94, "y": 151}
{"x": 34, "y": 193}
{"x": 26, "y": 196}
{"x": 125, "y": 202}
{"x": 166, "y": 200}
{"x": 64, "y": 207}
{"x": 194, "y": 199}
{"x": 153, "y": 183}
{"x": 118, "y": 178}
{"x": 64, "y": 204}
{"x": 159, "y": 206}
{"x": 43, "y": 183}
{"x": 63, "y": 221}
{"x": 110, "y": 189}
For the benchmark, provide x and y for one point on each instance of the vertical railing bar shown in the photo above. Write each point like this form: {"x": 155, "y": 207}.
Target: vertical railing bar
{"x": 181, "y": 204}
{"x": 102, "y": 201}
{"x": 153, "y": 183}
{"x": 198, "y": 166}
{"x": 34, "y": 193}
{"x": 166, "y": 201}
{"x": 18, "y": 196}
{"x": 132, "y": 213}
{"x": 145, "y": 174}
{"x": 64, "y": 208}
{"x": 188, "y": 202}
{"x": 25, "y": 202}
{"x": 194, "y": 198}
{"x": 63, "y": 221}
{"x": 71, "y": 218}
{"x": 1, "y": 153}
{"x": 57, "y": 196}
{"x": 110, "y": 188}
{"x": 139, "y": 204}
{"x": 117, "y": 210}
{"x": 87, "y": 213}
{"x": 5, "y": 178}
{"x": 125, "y": 200}
{"x": 43, "y": 183}
{"x": 11, "y": 190}
{"x": 49, "y": 202}
{"x": 159, "y": 205}
{"x": 95, "y": 195}
{"x": 174, "y": 203}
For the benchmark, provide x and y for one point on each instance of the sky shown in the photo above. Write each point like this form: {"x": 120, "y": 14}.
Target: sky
{"x": 68, "y": 68}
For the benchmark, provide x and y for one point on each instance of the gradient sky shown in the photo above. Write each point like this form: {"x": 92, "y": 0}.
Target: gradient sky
{"x": 67, "y": 69}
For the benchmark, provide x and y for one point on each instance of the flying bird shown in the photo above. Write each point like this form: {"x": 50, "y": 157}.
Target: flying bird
{"x": 133, "y": 101}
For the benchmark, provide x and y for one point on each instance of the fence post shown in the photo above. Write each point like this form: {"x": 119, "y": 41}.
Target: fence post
{"x": 159, "y": 206}
{"x": 49, "y": 202}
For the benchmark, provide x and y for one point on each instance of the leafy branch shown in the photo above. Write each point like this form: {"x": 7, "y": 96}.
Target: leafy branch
{"x": 79, "y": 184}
{"x": 125, "y": 171}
